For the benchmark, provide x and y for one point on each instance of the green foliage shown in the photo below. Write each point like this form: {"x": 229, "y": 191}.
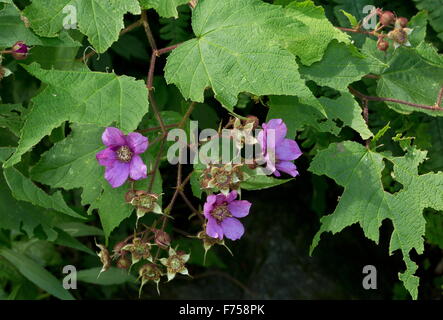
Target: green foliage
{"x": 165, "y": 8}
{"x": 282, "y": 59}
{"x": 435, "y": 9}
{"x": 226, "y": 58}
{"x": 36, "y": 274}
{"x": 101, "y": 21}
{"x": 80, "y": 97}
{"x": 348, "y": 163}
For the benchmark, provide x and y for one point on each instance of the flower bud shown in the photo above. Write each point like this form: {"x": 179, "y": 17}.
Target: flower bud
{"x": 123, "y": 263}
{"x": 401, "y": 22}
{"x": 20, "y": 50}
{"x": 117, "y": 251}
{"x": 162, "y": 239}
{"x": 254, "y": 120}
{"x": 387, "y": 18}
{"x": 383, "y": 45}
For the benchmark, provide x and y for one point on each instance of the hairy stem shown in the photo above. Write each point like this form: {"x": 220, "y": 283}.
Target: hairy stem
{"x": 372, "y": 98}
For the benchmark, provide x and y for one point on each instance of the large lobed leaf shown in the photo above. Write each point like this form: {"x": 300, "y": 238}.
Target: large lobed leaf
{"x": 364, "y": 200}
{"x": 248, "y": 46}
{"x": 81, "y": 97}
{"x": 100, "y": 20}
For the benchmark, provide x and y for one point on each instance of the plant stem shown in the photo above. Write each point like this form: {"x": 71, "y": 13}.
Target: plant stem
{"x": 144, "y": 18}
{"x": 439, "y": 98}
{"x": 372, "y": 98}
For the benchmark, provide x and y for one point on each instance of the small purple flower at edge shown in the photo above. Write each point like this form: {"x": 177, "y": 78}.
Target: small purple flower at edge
{"x": 121, "y": 157}
{"x": 284, "y": 150}
{"x": 222, "y": 212}
{"x": 20, "y": 50}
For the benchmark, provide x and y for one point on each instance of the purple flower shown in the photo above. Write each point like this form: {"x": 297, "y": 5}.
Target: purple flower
{"x": 20, "y": 50}
{"x": 278, "y": 151}
{"x": 121, "y": 158}
{"x": 221, "y": 211}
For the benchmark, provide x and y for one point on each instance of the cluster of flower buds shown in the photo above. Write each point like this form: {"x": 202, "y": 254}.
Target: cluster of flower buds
{"x": 400, "y": 33}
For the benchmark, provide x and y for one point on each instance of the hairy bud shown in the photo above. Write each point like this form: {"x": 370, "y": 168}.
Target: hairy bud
{"x": 20, "y": 50}
{"x": 382, "y": 45}
{"x": 123, "y": 263}
{"x": 387, "y": 18}
{"x": 401, "y": 22}
{"x": 162, "y": 239}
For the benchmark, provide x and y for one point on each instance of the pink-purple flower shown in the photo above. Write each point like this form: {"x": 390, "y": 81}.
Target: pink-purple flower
{"x": 222, "y": 212}
{"x": 122, "y": 156}
{"x": 278, "y": 152}
{"x": 20, "y": 50}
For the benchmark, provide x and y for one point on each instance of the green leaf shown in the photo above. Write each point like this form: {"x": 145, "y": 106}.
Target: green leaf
{"x": 352, "y": 20}
{"x": 81, "y": 97}
{"x": 298, "y": 115}
{"x": 165, "y": 8}
{"x": 341, "y": 65}
{"x": 309, "y": 33}
{"x": 411, "y": 78}
{"x": 10, "y": 119}
{"x": 353, "y": 8}
{"x": 25, "y": 190}
{"x": 13, "y": 29}
{"x": 17, "y": 215}
{"x": 110, "y": 277}
{"x": 260, "y": 182}
{"x": 435, "y": 9}
{"x": 346, "y": 109}
{"x": 37, "y": 274}
{"x": 225, "y": 57}
{"x": 100, "y": 20}
{"x": 112, "y": 207}
{"x": 71, "y": 163}
{"x": 66, "y": 240}
{"x": 418, "y": 23}
{"x": 364, "y": 200}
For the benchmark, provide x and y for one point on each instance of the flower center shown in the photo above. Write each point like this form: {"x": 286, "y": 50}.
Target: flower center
{"x": 221, "y": 212}
{"x": 124, "y": 154}
{"x": 175, "y": 263}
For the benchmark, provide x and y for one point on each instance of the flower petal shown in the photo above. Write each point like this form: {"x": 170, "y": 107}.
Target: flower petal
{"x": 137, "y": 169}
{"x": 106, "y": 157}
{"x": 288, "y": 150}
{"x": 239, "y": 208}
{"x": 137, "y": 142}
{"x": 113, "y": 137}
{"x": 209, "y": 205}
{"x": 117, "y": 174}
{"x": 213, "y": 229}
{"x": 220, "y": 198}
{"x": 231, "y": 196}
{"x": 232, "y": 228}
{"x": 280, "y": 129}
{"x": 288, "y": 167}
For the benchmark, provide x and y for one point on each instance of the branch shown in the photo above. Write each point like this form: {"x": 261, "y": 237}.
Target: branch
{"x": 415, "y": 105}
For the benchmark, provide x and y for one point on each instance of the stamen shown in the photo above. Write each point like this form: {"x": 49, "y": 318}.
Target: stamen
{"x": 124, "y": 154}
